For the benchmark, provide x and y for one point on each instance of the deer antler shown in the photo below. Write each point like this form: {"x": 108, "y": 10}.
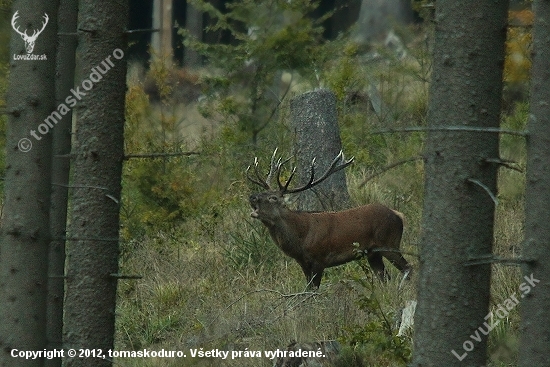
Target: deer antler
{"x": 276, "y": 166}
{"x": 16, "y": 27}
{"x": 258, "y": 180}
{"x": 35, "y": 33}
{"x": 337, "y": 164}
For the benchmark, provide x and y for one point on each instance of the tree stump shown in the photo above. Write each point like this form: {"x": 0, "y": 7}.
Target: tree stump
{"x": 315, "y": 124}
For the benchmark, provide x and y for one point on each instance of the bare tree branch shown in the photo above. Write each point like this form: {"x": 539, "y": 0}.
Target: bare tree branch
{"x": 387, "y": 168}
{"x": 491, "y": 259}
{"x": 123, "y": 276}
{"x": 504, "y": 163}
{"x": 484, "y": 187}
{"x": 158, "y": 155}
{"x": 143, "y": 30}
{"x": 523, "y": 133}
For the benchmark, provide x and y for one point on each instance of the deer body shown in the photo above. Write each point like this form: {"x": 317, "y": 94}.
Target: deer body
{"x": 319, "y": 240}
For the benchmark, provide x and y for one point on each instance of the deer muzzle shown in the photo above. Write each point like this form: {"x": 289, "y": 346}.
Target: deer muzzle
{"x": 255, "y": 207}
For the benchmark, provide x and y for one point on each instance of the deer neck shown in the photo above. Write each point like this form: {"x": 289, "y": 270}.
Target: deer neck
{"x": 289, "y": 230}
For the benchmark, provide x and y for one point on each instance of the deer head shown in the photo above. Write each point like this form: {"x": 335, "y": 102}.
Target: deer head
{"x": 29, "y": 40}
{"x": 268, "y": 204}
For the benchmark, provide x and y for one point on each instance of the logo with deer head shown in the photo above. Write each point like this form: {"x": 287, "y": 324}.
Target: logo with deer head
{"x": 29, "y": 40}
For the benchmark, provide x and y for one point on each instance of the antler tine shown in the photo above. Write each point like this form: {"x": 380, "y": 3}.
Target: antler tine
{"x": 311, "y": 177}
{"x": 334, "y": 167}
{"x": 14, "y": 26}
{"x": 280, "y": 165}
{"x": 283, "y": 188}
{"x": 45, "y": 22}
{"x": 273, "y": 167}
{"x": 258, "y": 180}
{"x": 37, "y": 32}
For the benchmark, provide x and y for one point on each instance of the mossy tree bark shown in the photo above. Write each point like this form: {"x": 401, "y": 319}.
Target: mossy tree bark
{"x": 98, "y": 153}
{"x": 535, "y": 308}
{"x": 315, "y": 123}
{"x": 460, "y": 180}
{"x": 24, "y": 231}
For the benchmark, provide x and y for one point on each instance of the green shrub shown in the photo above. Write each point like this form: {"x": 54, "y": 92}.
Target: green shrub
{"x": 378, "y": 335}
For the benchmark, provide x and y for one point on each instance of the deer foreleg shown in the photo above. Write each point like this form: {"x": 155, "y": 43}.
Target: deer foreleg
{"x": 316, "y": 275}
{"x": 313, "y": 273}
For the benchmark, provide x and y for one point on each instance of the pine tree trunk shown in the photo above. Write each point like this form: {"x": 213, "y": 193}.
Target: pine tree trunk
{"x": 458, "y": 213}
{"x": 193, "y": 23}
{"x": 24, "y": 231}
{"x": 98, "y": 152}
{"x": 161, "y": 41}
{"x": 535, "y": 307}
{"x": 315, "y": 123}
{"x": 61, "y": 149}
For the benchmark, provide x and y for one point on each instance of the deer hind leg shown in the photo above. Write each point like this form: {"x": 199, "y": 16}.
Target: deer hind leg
{"x": 377, "y": 265}
{"x": 398, "y": 261}
{"x": 393, "y": 241}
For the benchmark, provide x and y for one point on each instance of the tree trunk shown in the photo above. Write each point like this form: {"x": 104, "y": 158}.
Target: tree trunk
{"x": 535, "y": 308}
{"x": 24, "y": 231}
{"x": 193, "y": 23}
{"x": 65, "y": 65}
{"x": 458, "y": 213}
{"x": 92, "y": 243}
{"x": 346, "y": 14}
{"x": 161, "y": 41}
{"x": 377, "y": 17}
{"x": 315, "y": 122}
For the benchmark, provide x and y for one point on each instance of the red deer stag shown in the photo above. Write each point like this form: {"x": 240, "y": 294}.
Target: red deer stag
{"x": 319, "y": 240}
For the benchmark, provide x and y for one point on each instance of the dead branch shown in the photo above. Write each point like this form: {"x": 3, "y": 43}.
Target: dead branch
{"x": 93, "y": 239}
{"x": 494, "y": 130}
{"x": 491, "y": 259}
{"x": 282, "y": 295}
{"x": 485, "y": 188}
{"x": 387, "y": 249}
{"x": 505, "y": 163}
{"x": 80, "y": 186}
{"x": 143, "y": 30}
{"x": 158, "y": 155}
{"x": 387, "y": 168}
{"x": 123, "y": 276}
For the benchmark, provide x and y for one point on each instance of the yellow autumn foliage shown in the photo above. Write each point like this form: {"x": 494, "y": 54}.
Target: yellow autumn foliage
{"x": 517, "y": 65}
